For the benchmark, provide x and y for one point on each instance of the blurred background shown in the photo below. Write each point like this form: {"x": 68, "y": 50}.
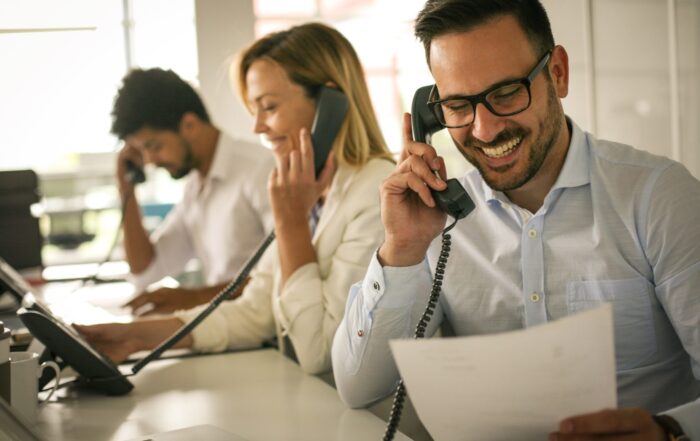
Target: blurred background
{"x": 635, "y": 78}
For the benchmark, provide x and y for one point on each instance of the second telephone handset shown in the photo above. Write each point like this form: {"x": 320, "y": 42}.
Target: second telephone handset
{"x": 454, "y": 200}
{"x": 331, "y": 108}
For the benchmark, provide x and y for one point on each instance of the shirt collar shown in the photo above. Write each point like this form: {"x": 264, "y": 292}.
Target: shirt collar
{"x": 219, "y": 165}
{"x": 574, "y": 172}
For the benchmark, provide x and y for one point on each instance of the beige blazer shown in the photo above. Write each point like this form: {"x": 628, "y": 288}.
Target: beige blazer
{"x": 311, "y": 305}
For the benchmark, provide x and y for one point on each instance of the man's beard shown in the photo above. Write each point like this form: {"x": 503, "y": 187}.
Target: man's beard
{"x": 549, "y": 129}
{"x": 188, "y": 162}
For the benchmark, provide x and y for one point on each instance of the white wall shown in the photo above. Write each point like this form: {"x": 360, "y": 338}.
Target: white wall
{"x": 622, "y": 75}
{"x": 224, "y": 27}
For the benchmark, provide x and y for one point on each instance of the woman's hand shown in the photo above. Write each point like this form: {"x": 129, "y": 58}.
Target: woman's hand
{"x": 115, "y": 341}
{"x": 119, "y": 340}
{"x": 293, "y": 187}
{"x": 294, "y": 190}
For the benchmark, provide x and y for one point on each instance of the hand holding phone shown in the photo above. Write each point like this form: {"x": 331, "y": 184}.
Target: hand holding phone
{"x": 134, "y": 173}
{"x": 452, "y": 200}
{"x": 129, "y": 168}
{"x": 409, "y": 213}
{"x": 299, "y": 180}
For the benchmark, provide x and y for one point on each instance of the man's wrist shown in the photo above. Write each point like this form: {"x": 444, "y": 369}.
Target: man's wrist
{"x": 392, "y": 255}
{"x": 671, "y": 427}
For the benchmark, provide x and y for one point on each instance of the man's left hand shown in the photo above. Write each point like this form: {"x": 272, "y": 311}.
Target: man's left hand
{"x": 164, "y": 301}
{"x": 612, "y": 425}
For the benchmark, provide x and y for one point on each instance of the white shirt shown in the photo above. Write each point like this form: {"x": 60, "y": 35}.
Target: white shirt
{"x": 619, "y": 226}
{"x": 221, "y": 218}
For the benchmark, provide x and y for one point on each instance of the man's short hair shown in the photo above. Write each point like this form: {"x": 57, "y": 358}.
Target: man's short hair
{"x": 440, "y": 17}
{"x": 153, "y": 98}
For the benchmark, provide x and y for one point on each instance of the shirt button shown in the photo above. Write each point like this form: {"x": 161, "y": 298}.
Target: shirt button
{"x": 376, "y": 286}
{"x": 534, "y": 297}
{"x": 360, "y": 333}
{"x": 532, "y": 233}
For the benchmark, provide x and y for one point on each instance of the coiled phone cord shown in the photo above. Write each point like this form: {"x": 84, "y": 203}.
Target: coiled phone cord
{"x": 400, "y": 394}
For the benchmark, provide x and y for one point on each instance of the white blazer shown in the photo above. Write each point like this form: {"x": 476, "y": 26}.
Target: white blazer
{"x": 311, "y": 305}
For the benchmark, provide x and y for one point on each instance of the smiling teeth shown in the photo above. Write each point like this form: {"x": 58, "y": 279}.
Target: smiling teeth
{"x": 502, "y": 150}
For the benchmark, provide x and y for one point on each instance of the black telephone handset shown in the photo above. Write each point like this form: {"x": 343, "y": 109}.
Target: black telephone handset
{"x": 331, "y": 108}
{"x": 134, "y": 173}
{"x": 454, "y": 200}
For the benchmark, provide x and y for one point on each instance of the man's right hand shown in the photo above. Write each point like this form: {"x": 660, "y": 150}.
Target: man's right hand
{"x": 409, "y": 214}
{"x": 128, "y": 153}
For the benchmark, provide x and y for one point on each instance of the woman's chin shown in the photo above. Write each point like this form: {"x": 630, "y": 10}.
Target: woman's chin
{"x": 281, "y": 148}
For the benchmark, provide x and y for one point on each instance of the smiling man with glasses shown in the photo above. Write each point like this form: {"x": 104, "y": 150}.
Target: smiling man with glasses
{"x": 563, "y": 222}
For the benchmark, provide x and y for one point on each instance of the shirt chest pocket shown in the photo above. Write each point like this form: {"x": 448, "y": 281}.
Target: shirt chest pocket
{"x": 635, "y": 338}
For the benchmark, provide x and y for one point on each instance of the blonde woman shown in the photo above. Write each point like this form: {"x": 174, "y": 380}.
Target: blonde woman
{"x": 327, "y": 228}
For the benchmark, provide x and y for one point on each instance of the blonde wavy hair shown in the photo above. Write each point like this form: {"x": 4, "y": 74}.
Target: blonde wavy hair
{"x": 314, "y": 54}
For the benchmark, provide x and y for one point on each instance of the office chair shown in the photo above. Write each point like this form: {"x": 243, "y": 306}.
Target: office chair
{"x": 20, "y": 237}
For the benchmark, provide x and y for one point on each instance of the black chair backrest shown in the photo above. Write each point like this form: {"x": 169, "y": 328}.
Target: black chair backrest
{"x": 20, "y": 237}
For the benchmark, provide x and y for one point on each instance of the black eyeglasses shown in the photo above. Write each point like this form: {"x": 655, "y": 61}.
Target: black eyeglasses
{"x": 502, "y": 99}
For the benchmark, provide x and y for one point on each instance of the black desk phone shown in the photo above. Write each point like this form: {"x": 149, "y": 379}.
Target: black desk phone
{"x": 454, "y": 201}
{"x": 62, "y": 344}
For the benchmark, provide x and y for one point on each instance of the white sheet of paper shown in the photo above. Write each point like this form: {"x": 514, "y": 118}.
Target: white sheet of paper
{"x": 511, "y": 386}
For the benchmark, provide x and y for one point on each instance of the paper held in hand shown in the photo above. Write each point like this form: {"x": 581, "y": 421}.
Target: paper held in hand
{"x": 513, "y": 385}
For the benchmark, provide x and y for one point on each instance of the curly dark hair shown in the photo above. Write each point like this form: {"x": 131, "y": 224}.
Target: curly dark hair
{"x": 440, "y": 17}
{"x": 153, "y": 98}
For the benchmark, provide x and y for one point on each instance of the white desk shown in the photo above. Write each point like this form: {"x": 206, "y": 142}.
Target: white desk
{"x": 258, "y": 395}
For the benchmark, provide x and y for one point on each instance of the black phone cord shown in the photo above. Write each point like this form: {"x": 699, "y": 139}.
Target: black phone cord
{"x": 400, "y": 394}
{"x": 95, "y": 277}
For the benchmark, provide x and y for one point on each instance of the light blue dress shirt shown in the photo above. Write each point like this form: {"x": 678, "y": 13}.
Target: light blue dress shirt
{"x": 619, "y": 226}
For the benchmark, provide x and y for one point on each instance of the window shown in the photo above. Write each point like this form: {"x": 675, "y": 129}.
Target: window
{"x": 62, "y": 65}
